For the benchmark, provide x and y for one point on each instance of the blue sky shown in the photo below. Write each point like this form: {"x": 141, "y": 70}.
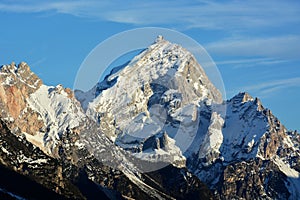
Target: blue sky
{"x": 255, "y": 44}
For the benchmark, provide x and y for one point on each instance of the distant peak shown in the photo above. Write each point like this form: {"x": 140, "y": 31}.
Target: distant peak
{"x": 13, "y": 68}
{"x": 13, "y": 74}
{"x": 243, "y": 97}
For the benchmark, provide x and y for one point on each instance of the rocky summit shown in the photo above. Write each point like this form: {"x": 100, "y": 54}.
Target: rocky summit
{"x": 154, "y": 128}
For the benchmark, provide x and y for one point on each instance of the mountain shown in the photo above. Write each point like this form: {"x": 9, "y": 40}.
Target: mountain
{"x": 257, "y": 158}
{"x": 44, "y": 139}
{"x": 154, "y": 128}
{"x": 157, "y": 92}
{"x": 163, "y": 90}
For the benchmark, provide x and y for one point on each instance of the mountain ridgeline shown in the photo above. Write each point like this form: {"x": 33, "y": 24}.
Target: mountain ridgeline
{"x": 154, "y": 128}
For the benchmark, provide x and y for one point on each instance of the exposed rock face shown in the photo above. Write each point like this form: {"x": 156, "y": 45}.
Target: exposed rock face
{"x": 157, "y": 142}
{"x": 18, "y": 82}
{"x": 19, "y": 155}
{"x": 175, "y": 184}
{"x": 253, "y": 179}
{"x": 43, "y": 113}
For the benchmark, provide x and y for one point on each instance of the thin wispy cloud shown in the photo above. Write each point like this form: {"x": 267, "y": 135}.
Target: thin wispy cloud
{"x": 284, "y": 47}
{"x": 253, "y": 62}
{"x": 201, "y": 14}
{"x": 269, "y": 88}
{"x": 38, "y": 63}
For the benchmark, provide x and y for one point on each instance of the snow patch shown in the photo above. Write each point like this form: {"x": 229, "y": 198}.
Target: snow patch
{"x": 293, "y": 180}
{"x": 59, "y": 113}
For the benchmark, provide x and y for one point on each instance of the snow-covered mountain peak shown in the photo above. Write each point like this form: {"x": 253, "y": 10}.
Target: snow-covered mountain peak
{"x": 162, "y": 63}
{"x": 159, "y": 90}
{"x": 43, "y": 113}
{"x": 162, "y": 66}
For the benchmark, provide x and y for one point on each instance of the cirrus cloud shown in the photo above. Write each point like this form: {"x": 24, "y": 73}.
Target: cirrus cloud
{"x": 238, "y": 15}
